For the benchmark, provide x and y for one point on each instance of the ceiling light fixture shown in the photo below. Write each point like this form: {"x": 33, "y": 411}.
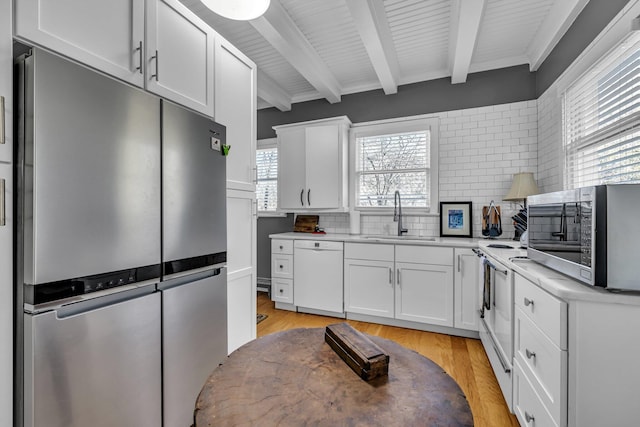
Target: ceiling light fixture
{"x": 239, "y": 10}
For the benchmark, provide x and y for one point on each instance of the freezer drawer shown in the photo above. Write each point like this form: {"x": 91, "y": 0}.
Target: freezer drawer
{"x": 95, "y": 363}
{"x": 194, "y": 337}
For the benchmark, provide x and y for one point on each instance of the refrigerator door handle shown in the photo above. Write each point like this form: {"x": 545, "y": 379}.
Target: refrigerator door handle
{"x": 117, "y": 297}
{"x": 215, "y": 268}
{"x": 3, "y": 216}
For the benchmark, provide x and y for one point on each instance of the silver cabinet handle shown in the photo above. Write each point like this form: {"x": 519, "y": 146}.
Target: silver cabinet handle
{"x": 398, "y": 276}
{"x": 528, "y": 302}
{"x": 528, "y": 417}
{"x": 459, "y": 258}
{"x": 309, "y": 197}
{"x": 301, "y": 200}
{"x": 139, "y": 50}
{"x": 2, "y": 121}
{"x": 157, "y": 66}
{"x": 529, "y": 353}
{"x": 281, "y": 247}
{"x": 3, "y": 218}
{"x": 390, "y": 276}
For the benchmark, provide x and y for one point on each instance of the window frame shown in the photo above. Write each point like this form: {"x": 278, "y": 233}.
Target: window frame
{"x": 265, "y": 144}
{"x": 393, "y": 126}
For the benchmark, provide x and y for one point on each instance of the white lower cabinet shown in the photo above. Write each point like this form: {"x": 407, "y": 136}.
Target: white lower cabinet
{"x": 282, "y": 271}
{"x": 424, "y": 293}
{"x": 388, "y": 281}
{"x": 369, "y": 287}
{"x": 465, "y": 292}
{"x": 527, "y": 405}
{"x": 282, "y": 290}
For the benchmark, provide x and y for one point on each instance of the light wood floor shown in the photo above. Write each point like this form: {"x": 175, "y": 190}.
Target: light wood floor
{"x": 462, "y": 358}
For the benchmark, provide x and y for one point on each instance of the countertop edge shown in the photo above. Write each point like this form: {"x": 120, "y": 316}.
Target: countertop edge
{"x": 553, "y": 282}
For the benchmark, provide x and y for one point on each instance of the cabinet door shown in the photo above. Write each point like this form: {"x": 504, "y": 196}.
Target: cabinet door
{"x": 368, "y": 287}
{"x": 466, "y": 284}
{"x": 322, "y": 161}
{"x": 291, "y": 170}
{"x": 424, "y": 293}
{"x": 179, "y": 55}
{"x": 235, "y": 107}
{"x": 241, "y": 266}
{"x": 106, "y": 35}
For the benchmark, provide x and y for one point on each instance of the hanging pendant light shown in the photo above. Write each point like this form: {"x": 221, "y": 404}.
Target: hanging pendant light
{"x": 239, "y": 10}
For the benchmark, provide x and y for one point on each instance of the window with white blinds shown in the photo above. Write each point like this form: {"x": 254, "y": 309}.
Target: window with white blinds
{"x": 267, "y": 179}
{"x": 602, "y": 121}
{"x": 390, "y": 157}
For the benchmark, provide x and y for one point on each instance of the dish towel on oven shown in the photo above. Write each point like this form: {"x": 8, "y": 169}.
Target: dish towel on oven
{"x": 486, "y": 286}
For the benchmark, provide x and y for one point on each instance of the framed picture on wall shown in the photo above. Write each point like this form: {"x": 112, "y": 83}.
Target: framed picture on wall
{"x": 455, "y": 219}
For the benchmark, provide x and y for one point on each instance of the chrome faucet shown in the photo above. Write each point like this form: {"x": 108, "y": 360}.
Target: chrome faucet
{"x": 397, "y": 212}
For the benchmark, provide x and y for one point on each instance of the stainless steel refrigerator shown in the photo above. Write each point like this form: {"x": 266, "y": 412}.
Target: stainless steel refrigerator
{"x": 89, "y": 192}
{"x": 194, "y": 255}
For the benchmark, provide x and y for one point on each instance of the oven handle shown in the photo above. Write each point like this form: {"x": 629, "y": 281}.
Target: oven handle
{"x": 506, "y": 369}
{"x": 486, "y": 260}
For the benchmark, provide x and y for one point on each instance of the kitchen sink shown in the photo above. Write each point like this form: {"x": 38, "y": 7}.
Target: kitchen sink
{"x": 404, "y": 238}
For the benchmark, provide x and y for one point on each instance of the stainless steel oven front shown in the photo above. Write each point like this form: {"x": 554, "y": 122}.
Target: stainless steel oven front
{"x": 496, "y": 314}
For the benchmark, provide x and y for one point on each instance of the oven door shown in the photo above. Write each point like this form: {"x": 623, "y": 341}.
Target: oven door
{"x": 496, "y": 332}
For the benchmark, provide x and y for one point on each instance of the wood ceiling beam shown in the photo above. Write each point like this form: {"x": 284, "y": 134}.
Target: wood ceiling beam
{"x": 277, "y": 27}
{"x": 371, "y": 21}
{"x": 270, "y": 92}
{"x": 465, "y": 23}
{"x": 558, "y": 20}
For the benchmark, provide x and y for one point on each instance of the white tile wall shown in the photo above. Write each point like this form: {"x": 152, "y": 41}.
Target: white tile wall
{"x": 480, "y": 150}
{"x": 550, "y": 155}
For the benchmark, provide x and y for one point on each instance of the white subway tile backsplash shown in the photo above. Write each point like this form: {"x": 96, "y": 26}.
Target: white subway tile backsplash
{"x": 479, "y": 151}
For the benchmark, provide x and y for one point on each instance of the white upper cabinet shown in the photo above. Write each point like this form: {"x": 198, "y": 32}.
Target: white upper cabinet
{"x": 235, "y": 106}
{"x": 172, "y": 58}
{"x": 179, "y": 55}
{"x": 106, "y": 35}
{"x": 312, "y": 167}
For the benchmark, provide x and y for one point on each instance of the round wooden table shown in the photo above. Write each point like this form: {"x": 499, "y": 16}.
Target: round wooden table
{"x": 293, "y": 378}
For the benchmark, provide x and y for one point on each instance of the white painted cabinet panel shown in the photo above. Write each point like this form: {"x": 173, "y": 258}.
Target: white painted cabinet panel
{"x": 312, "y": 165}
{"x": 424, "y": 293}
{"x": 291, "y": 170}
{"x": 322, "y": 161}
{"x": 369, "y": 287}
{"x": 106, "y": 35}
{"x": 179, "y": 55}
{"x": 465, "y": 279}
{"x": 241, "y": 264}
{"x": 235, "y": 107}
{"x": 6, "y": 230}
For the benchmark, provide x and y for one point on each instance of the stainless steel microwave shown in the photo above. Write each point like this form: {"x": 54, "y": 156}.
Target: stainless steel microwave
{"x": 591, "y": 234}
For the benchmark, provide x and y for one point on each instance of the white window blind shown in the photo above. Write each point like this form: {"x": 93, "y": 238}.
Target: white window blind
{"x": 602, "y": 121}
{"x": 392, "y": 157}
{"x": 267, "y": 182}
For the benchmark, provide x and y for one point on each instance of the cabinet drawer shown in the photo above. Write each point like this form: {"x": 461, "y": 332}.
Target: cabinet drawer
{"x": 282, "y": 266}
{"x": 424, "y": 255}
{"x": 282, "y": 290}
{"x": 527, "y": 405}
{"x": 546, "y": 311}
{"x": 279, "y": 246}
{"x": 544, "y": 363}
{"x": 378, "y": 252}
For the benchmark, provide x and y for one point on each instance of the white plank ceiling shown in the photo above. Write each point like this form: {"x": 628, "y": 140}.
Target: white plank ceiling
{"x": 323, "y": 49}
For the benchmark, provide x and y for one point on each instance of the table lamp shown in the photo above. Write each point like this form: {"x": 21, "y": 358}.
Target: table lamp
{"x": 523, "y": 185}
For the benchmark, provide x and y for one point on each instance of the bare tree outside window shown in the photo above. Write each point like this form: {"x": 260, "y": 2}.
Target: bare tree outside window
{"x": 387, "y": 163}
{"x": 267, "y": 174}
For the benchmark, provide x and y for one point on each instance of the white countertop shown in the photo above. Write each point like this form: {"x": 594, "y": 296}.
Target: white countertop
{"x": 391, "y": 240}
{"x": 555, "y": 283}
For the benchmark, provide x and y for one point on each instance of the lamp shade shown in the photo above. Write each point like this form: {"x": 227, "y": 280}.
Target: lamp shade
{"x": 523, "y": 185}
{"x": 239, "y": 10}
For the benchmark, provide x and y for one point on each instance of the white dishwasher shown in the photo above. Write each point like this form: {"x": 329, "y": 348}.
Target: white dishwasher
{"x": 317, "y": 277}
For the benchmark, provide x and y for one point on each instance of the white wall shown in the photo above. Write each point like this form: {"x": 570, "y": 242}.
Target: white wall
{"x": 480, "y": 150}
